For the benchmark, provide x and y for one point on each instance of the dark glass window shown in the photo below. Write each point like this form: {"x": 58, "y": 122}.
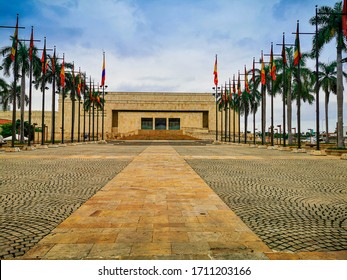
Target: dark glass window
{"x": 174, "y": 124}
{"x": 146, "y": 123}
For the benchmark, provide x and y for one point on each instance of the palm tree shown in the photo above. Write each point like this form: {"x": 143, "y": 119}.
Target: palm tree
{"x": 4, "y": 94}
{"x": 327, "y": 82}
{"x": 255, "y": 95}
{"x": 23, "y": 64}
{"x": 307, "y": 81}
{"x": 93, "y": 100}
{"x": 329, "y": 23}
{"x": 7, "y": 96}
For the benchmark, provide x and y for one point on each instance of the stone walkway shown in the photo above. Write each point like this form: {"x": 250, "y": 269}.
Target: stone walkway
{"x": 158, "y": 207}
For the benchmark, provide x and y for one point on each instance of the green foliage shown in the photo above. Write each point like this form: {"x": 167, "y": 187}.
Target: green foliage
{"x": 6, "y": 129}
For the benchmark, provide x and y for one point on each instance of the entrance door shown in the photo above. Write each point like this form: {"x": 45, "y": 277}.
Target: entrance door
{"x": 160, "y": 124}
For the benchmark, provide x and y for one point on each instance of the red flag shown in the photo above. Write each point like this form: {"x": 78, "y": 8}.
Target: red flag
{"x": 43, "y": 60}
{"x": 53, "y": 62}
{"x": 344, "y": 18}
{"x": 297, "y": 52}
{"x": 62, "y": 74}
{"x": 263, "y": 75}
{"x": 284, "y": 57}
{"x": 215, "y": 72}
{"x": 272, "y": 65}
{"x": 103, "y": 74}
{"x": 239, "y": 86}
{"x": 31, "y": 47}
{"x": 246, "y": 82}
{"x": 14, "y": 42}
{"x": 234, "y": 86}
{"x": 79, "y": 86}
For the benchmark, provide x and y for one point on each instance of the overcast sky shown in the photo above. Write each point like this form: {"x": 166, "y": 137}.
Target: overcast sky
{"x": 166, "y": 45}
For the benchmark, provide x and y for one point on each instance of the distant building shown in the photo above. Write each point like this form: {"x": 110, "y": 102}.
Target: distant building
{"x": 126, "y": 113}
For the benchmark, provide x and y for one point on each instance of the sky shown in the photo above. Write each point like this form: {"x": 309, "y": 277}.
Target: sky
{"x": 168, "y": 45}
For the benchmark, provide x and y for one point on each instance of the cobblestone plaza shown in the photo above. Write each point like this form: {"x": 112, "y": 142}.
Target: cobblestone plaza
{"x": 291, "y": 203}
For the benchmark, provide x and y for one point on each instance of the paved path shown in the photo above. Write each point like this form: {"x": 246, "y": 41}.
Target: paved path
{"x": 157, "y": 207}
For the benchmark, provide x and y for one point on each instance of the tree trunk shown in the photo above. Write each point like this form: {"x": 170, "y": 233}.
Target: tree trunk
{"x": 22, "y": 105}
{"x": 289, "y": 114}
{"x": 340, "y": 136}
{"x": 326, "y": 117}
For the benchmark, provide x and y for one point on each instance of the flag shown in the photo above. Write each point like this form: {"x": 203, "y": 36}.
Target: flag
{"x": 246, "y": 82}
{"x": 224, "y": 94}
{"x": 43, "y": 60}
{"x": 230, "y": 95}
{"x": 62, "y": 74}
{"x": 262, "y": 73}
{"x": 31, "y": 47}
{"x": 284, "y": 57}
{"x": 239, "y": 86}
{"x": 79, "y": 85}
{"x": 14, "y": 42}
{"x": 344, "y": 18}
{"x": 215, "y": 73}
{"x": 73, "y": 76}
{"x": 53, "y": 63}
{"x": 272, "y": 65}
{"x": 253, "y": 72}
{"x": 103, "y": 74}
{"x": 297, "y": 53}
{"x": 234, "y": 86}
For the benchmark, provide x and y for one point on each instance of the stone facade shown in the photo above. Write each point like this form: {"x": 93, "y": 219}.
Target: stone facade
{"x": 128, "y": 112}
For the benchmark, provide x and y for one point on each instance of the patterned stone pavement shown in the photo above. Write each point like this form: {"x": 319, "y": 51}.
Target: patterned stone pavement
{"x": 41, "y": 188}
{"x": 295, "y": 203}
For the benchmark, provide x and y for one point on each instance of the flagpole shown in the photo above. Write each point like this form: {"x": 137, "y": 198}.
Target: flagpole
{"x": 253, "y": 78}
{"x": 317, "y": 87}
{"x": 230, "y": 108}
{"x": 43, "y": 93}
{"x": 272, "y": 97}
{"x": 79, "y": 108}
{"x": 30, "y": 86}
{"x": 299, "y": 98}
{"x": 216, "y": 114}
{"x": 53, "y": 99}
{"x": 239, "y": 105}
{"x": 84, "y": 108}
{"x": 93, "y": 114}
{"x": 90, "y": 102}
{"x": 103, "y": 76}
{"x": 221, "y": 116}
{"x": 284, "y": 92}
{"x": 15, "y": 68}
{"x": 63, "y": 103}
{"x": 73, "y": 103}
{"x": 215, "y": 73}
